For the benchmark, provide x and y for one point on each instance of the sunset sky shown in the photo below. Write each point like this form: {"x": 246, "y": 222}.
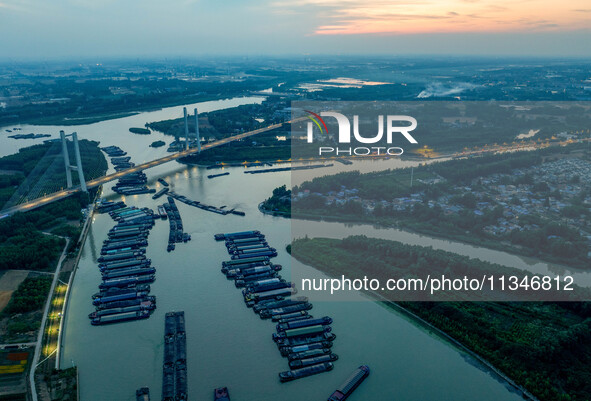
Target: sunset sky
{"x": 64, "y": 28}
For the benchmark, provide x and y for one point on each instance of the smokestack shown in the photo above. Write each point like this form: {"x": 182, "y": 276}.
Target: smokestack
{"x": 197, "y": 131}
{"x": 186, "y": 128}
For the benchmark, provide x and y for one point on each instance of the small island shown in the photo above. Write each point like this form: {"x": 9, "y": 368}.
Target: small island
{"x": 140, "y": 131}
{"x": 279, "y": 204}
{"x": 157, "y": 144}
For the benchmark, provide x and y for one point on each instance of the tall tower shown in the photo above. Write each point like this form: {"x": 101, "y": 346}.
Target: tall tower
{"x": 197, "y": 138}
{"x": 69, "y": 167}
{"x": 186, "y": 128}
{"x": 66, "y": 157}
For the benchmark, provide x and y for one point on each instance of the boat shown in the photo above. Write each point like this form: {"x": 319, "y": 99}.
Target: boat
{"x": 302, "y": 315}
{"x": 305, "y": 372}
{"x": 221, "y": 394}
{"x": 244, "y": 256}
{"x": 121, "y": 256}
{"x": 315, "y": 338}
{"x": 285, "y": 351}
{"x": 181, "y": 382}
{"x": 124, "y": 264}
{"x": 266, "y": 287}
{"x": 168, "y": 384}
{"x": 161, "y": 181}
{"x": 280, "y": 304}
{"x": 236, "y": 263}
{"x": 134, "y": 272}
{"x": 310, "y": 353}
{"x": 120, "y": 317}
{"x": 238, "y": 235}
{"x": 252, "y": 251}
{"x": 217, "y": 175}
{"x": 253, "y": 298}
{"x": 126, "y": 281}
{"x": 162, "y": 212}
{"x": 279, "y": 312}
{"x": 243, "y": 282}
{"x": 248, "y": 271}
{"x": 117, "y": 291}
{"x": 346, "y": 389}
{"x": 302, "y": 363}
{"x": 301, "y": 332}
{"x": 119, "y": 297}
{"x": 160, "y": 193}
{"x": 144, "y": 305}
{"x": 126, "y": 303}
{"x": 304, "y": 323}
{"x": 142, "y": 394}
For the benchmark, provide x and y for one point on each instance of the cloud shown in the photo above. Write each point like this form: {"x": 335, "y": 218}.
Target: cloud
{"x": 434, "y": 16}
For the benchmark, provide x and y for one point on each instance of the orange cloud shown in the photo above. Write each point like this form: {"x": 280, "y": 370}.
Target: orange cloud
{"x": 347, "y": 17}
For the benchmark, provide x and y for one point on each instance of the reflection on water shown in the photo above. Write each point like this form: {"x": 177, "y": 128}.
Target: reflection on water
{"x": 228, "y": 345}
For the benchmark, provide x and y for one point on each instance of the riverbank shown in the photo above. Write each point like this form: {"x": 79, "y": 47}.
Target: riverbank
{"x": 91, "y": 119}
{"x": 536, "y": 345}
{"x": 420, "y": 229}
{"x": 273, "y": 213}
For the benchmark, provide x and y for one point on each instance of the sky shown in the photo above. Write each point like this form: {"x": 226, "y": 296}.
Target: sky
{"x": 41, "y": 29}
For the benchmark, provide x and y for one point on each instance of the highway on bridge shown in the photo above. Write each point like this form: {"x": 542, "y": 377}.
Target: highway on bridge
{"x": 115, "y": 176}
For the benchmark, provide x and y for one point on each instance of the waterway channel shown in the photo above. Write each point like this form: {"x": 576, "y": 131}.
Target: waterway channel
{"x": 228, "y": 345}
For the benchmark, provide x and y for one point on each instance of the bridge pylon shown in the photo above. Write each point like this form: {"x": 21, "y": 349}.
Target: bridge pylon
{"x": 69, "y": 167}
{"x": 186, "y": 128}
{"x": 197, "y": 138}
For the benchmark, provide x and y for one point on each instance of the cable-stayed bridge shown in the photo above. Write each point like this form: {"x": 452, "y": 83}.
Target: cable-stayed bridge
{"x": 61, "y": 194}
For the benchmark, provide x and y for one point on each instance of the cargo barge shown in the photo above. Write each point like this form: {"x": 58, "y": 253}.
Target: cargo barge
{"x": 288, "y": 350}
{"x": 316, "y": 338}
{"x": 126, "y": 281}
{"x": 323, "y": 321}
{"x": 160, "y": 193}
{"x": 295, "y": 168}
{"x": 145, "y": 305}
{"x": 279, "y": 304}
{"x": 238, "y": 235}
{"x": 140, "y": 271}
{"x": 217, "y": 175}
{"x": 208, "y": 208}
{"x": 306, "y": 341}
{"x": 278, "y": 313}
{"x": 174, "y": 373}
{"x": 302, "y": 363}
{"x": 119, "y": 297}
{"x": 124, "y": 304}
{"x": 120, "y": 317}
{"x": 346, "y": 389}
{"x": 311, "y": 353}
{"x": 221, "y": 394}
{"x": 310, "y": 331}
{"x": 305, "y": 372}
{"x": 142, "y": 394}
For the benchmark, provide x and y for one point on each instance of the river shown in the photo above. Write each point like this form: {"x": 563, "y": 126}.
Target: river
{"x": 228, "y": 345}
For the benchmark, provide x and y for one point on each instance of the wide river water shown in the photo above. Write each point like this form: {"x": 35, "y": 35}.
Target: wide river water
{"x": 228, "y": 345}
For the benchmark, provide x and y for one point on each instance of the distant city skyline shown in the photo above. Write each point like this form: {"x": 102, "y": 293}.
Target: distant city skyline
{"x": 34, "y": 29}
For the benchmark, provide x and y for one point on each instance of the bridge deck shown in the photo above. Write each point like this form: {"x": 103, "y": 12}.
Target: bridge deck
{"x": 115, "y": 176}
